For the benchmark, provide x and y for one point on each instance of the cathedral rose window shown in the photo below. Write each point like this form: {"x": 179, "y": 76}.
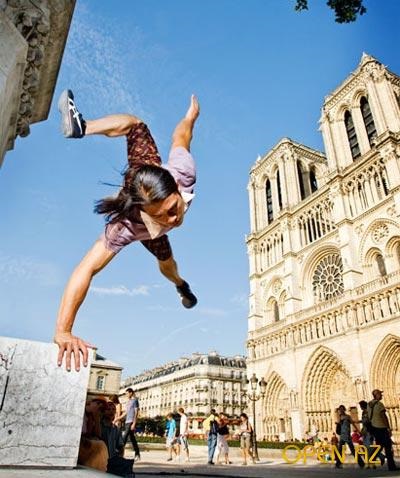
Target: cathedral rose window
{"x": 327, "y": 280}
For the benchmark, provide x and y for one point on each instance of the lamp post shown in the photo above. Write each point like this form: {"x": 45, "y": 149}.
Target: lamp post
{"x": 254, "y": 395}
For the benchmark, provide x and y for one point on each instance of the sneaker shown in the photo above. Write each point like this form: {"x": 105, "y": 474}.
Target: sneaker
{"x": 189, "y": 300}
{"x": 72, "y": 123}
{"x": 169, "y": 459}
{"x": 210, "y": 463}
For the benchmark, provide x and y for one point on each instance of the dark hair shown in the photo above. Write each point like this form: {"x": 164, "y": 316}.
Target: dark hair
{"x": 141, "y": 187}
{"x": 244, "y": 416}
{"x": 114, "y": 399}
{"x": 130, "y": 390}
{"x": 363, "y": 404}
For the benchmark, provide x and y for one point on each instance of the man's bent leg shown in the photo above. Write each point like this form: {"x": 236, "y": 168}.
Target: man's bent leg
{"x": 169, "y": 269}
{"x": 161, "y": 249}
{"x": 113, "y": 125}
{"x": 74, "y": 126}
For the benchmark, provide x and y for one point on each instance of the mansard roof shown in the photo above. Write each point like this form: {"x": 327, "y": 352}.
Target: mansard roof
{"x": 212, "y": 358}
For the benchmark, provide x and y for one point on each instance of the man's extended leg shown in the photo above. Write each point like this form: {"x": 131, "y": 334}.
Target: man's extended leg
{"x": 183, "y": 133}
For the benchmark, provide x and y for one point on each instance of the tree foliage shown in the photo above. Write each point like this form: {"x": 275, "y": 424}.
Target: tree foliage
{"x": 346, "y": 11}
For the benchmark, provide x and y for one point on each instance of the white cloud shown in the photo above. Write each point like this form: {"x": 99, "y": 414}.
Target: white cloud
{"x": 121, "y": 290}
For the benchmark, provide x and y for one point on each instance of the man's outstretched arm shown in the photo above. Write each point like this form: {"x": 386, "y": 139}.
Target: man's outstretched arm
{"x": 75, "y": 292}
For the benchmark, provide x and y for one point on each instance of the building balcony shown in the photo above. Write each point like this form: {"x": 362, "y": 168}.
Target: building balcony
{"x": 201, "y": 388}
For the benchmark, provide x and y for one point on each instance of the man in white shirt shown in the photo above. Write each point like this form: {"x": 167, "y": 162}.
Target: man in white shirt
{"x": 184, "y": 432}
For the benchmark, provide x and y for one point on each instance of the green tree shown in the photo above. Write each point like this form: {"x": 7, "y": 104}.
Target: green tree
{"x": 346, "y": 11}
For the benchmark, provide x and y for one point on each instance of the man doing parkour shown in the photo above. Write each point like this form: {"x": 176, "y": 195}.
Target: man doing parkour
{"x": 152, "y": 200}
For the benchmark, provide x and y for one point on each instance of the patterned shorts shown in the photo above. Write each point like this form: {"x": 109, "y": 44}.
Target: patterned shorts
{"x": 159, "y": 247}
{"x": 142, "y": 151}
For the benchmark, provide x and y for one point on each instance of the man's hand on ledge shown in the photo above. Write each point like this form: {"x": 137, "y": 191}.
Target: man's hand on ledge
{"x": 70, "y": 345}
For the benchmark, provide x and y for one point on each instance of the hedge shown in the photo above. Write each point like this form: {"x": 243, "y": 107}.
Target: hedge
{"x": 232, "y": 443}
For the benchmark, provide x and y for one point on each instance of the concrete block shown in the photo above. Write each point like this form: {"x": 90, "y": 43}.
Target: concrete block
{"x": 41, "y": 406}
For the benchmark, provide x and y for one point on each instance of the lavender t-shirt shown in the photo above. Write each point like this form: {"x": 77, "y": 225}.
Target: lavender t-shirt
{"x": 116, "y": 236}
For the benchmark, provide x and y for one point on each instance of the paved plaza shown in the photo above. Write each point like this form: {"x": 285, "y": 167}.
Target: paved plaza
{"x": 271, "y": 464}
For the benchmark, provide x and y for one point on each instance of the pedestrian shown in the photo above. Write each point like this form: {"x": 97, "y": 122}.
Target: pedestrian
{"x": 381, "y": 427}
{"x": 112, "y": 437}
{"x": 366, "y": 433}
{"x": 184, "y": 432}
{"x": 210, "y": 426}
{"x": 152, "y": 200}
{"x": 344, "y": 424}
{"x": 222, "y": 440}
{"x": 118, "y": 410}
{"x": 246, "y": 432}
{"x": 170, "y": 434}
{"x": 131, "y": 415}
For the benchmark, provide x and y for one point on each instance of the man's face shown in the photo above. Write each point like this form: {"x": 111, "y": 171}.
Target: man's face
{"x": 169, "y": 212}
{"x": 129, "y": 395}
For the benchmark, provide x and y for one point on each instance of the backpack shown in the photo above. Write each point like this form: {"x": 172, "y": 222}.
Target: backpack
{"x": 213, "y": 427}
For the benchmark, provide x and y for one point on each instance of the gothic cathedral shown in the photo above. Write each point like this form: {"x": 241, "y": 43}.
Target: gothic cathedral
{"x": 324, "y": 253}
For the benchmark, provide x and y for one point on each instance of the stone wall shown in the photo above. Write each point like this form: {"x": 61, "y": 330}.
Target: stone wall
{"x": 41, "y": 406}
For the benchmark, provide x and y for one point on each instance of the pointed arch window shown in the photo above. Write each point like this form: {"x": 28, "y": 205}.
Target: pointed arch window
{"x": 301, "y": 180}
{"x": 368, "y": 119}
{"x": 398, "y": 252}
{"x": 313, "y": 181}
{"x": 351, "y": 135}
{"x": 278, "y": 185}
{"x": 276, "y": 311}
{"x": 268, "y": 194}
{"x": 380, "y": 262}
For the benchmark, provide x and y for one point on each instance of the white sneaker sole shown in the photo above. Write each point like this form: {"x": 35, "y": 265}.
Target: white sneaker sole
{"x": 66, "y": 126}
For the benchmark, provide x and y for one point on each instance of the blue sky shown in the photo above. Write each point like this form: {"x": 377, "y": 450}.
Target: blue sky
{"x": 260, "y": 70}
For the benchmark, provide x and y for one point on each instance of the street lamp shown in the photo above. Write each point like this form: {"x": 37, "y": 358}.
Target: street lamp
{"x": 251, "y": 393}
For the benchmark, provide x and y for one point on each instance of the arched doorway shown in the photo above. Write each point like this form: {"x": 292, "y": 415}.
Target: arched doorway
{"x": 326, "y": 385}
{"x": 277, "y": 420}
{"x": 385, "y": 375}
